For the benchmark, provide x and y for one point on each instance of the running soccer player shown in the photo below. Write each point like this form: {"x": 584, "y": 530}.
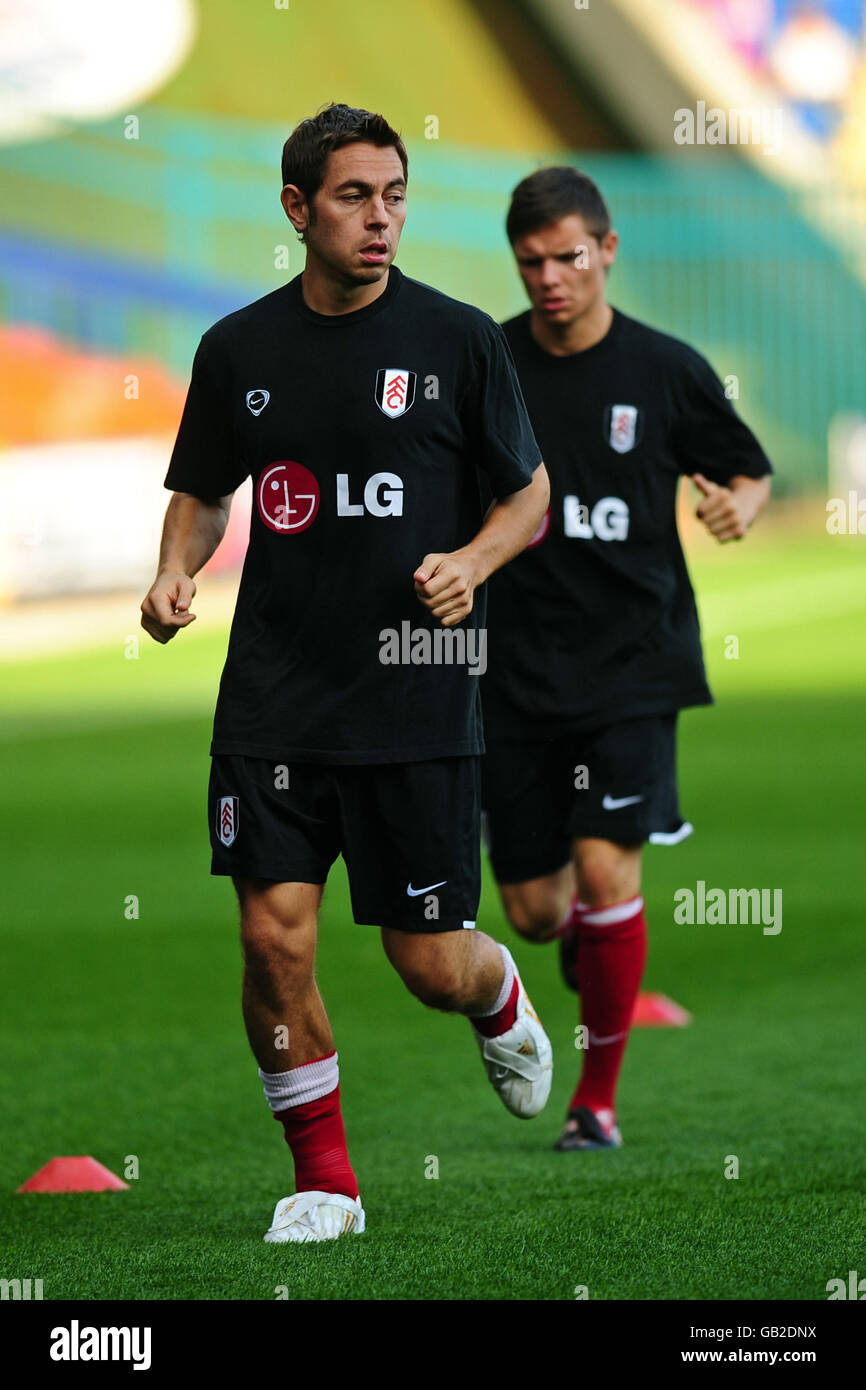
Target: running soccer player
{"x": 594, "y": 640}
{"x": 368, "y": 408}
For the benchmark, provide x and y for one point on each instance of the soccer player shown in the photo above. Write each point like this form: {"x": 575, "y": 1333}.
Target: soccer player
{"x": 594, "y": 643}
{"x": 367, "y": 408}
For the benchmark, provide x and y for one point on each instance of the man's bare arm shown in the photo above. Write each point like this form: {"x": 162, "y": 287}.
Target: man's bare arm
{"x": 728, "y": 512}
{"x": 191, "y": 532}
{"x": 446, "y": 584}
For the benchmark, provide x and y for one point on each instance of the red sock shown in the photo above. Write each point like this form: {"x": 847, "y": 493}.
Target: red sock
{"x": 610, "y": 963}
{"x": 315, "y": 1134}
{"x": 492, "y": 1025}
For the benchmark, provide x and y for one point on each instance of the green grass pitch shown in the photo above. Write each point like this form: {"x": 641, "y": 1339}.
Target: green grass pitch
{"x": 124, "y": 1037}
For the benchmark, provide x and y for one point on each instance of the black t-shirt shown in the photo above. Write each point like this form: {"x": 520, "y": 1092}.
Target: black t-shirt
{"x": 596, "y": 621}
{"x": 368, "y": 436}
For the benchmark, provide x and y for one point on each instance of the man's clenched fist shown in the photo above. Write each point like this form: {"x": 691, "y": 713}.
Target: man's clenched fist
{"x": 445, "y": 584}
{"x": 166, "y": 608}
{"x": 721, "y": 511}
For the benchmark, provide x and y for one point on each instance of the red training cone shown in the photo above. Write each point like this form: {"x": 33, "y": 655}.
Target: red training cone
{"x": 657, "y": 1011}
{"x": 73, "y": 1175}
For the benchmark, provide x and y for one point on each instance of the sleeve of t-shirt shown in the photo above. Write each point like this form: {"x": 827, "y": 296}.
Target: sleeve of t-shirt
{"x": 709, "y": 436}
{"x": 206, "y": 460}
{"x": 497, "y": 422}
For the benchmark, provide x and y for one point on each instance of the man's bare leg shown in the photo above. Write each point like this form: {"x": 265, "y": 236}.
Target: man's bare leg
{"x": 292, "y": 1041}
{"x": 604, "y": 957}
{"x": 538, "y": 907}
{"x": 607, "y": 873}
{"x": 457, "y": 971}
{"x": 466, "y": 972}
{"x": 601, "y": 873}
{"x": 279, "y": 923}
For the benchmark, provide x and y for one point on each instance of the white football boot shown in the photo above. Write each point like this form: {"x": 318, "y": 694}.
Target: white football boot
{"x": 315, "y": 1216}
{"x": 519, "y": 1063}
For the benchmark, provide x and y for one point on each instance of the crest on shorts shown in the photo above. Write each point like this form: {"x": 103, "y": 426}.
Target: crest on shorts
{"x": 623, "y": 427}
{"x": 395, "y": 390}
{"x": 227, "y": 820}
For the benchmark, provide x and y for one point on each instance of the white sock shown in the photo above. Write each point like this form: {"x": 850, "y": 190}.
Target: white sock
{"x": 310, "y": 1081}
{"x": 507, "y": 984}
{"x": 609, "y": 916}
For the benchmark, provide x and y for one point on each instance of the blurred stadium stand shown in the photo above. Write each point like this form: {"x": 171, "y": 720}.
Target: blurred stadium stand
{"x": 811, "y": 50}
{"x": 712, "y": 252}
{"x": 131, "y": 248}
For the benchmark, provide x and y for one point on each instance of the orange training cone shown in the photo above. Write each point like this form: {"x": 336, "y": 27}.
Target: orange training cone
{"x": 73, "y": 1175}
{"x": 657, "y": 1011}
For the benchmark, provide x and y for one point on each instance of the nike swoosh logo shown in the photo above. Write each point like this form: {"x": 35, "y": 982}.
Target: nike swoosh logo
{"x": 612, "y": 1037}
{"x": 416, "y": 892}
{"x": 610, "y": 803}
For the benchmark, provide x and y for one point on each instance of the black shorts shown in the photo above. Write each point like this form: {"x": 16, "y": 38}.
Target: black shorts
{"x": 618, "y": 783}
{"x": 409, "y": 833}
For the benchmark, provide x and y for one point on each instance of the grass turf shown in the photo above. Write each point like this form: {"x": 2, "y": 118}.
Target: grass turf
{"x": 124, "y": 1037}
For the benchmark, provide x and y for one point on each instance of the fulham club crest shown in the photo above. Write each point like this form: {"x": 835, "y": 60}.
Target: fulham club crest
{"x": 227, "y": 820}
{"x": 623, "y": 427}
{"x": 395, "y": 390}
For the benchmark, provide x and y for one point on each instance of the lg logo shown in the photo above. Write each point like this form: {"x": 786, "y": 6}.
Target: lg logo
{"x": 608, "y": 520}
{"x": 288, "y": 496}
{"x": 383, "y": 496}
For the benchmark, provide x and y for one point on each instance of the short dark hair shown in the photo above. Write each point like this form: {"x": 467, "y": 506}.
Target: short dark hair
{"x": 549, "y": 194}
{"x": 305, "y": 153}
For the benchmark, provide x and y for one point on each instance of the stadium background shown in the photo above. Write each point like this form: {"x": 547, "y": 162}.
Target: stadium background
{"x": 122, "y": 1036}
